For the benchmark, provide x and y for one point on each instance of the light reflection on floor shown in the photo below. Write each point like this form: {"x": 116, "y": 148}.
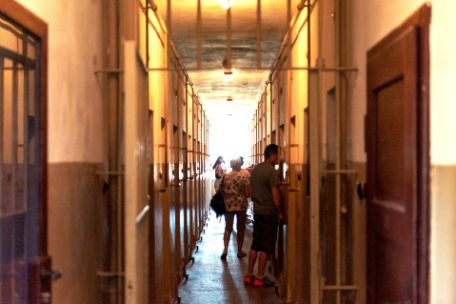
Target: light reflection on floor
{"x": 212, "y": 281}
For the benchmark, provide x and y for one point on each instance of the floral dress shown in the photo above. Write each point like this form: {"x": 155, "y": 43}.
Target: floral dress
{"x": 234, "y": 184}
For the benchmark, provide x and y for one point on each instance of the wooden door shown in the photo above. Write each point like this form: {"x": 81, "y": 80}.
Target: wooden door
{"x": 151, "y": 197}
{"x": 136, "y": 204}
{"x": 396, "y": 167}
{"x": 25, "y": 268}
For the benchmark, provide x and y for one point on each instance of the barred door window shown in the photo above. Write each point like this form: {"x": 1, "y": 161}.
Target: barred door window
{"x": 20, "y": 171}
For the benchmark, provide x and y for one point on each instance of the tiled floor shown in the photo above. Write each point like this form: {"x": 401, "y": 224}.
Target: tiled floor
{"x": 213, "y": 281}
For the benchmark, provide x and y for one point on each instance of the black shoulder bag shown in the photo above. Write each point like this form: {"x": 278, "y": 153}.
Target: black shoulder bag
{"x": 217, "y": 203}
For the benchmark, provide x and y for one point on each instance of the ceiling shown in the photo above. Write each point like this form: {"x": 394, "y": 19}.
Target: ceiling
{"x": 212, "y": 86}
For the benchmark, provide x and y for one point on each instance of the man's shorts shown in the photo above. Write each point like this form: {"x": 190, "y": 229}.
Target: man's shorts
{"x": 264, "y": 232}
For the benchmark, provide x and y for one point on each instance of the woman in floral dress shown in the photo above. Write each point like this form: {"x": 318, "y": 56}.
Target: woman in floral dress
{"x": 235, "y": 190}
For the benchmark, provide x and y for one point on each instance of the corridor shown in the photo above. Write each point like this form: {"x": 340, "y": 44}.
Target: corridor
{"x": 113, "y": 114}
{"x": 213, "y": 281}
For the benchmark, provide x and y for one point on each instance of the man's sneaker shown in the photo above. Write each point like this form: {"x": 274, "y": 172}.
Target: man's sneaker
{"x": 265, "y": 282}
{"x": 248, "y": 279}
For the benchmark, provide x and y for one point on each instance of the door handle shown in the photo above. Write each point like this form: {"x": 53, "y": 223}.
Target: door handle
{"x": 48, "y": 275}
{"x": 361, "y": 190}
{"x": 142, "y": 214}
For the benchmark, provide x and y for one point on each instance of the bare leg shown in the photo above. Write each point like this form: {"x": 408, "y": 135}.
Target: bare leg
{"x": 252, "y": 260}
{"x": 262, "y": 264}
{"x": 226, "y": 241}
{"x": 228, "y": 229}
{"x": 240, "y": 225}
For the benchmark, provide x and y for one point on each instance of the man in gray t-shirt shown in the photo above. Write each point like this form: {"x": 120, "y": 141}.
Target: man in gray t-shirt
{"x": 267, "y": 213}
{"x": 264, "y": 178}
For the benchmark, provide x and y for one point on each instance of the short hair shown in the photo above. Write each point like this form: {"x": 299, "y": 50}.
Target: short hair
{"x": 235, "y": 163}
{"x": 270, "y": 150}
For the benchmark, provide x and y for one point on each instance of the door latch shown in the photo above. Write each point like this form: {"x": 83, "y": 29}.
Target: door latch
{"x": 361, "y": 190}
{"x": 48, "y": 275}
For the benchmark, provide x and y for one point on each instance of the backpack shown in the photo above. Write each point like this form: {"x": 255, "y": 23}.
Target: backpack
{"x": 217, "y": 203}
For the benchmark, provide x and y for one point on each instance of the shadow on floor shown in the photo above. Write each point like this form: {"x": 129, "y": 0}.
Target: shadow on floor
{"x": 213, "y": 281}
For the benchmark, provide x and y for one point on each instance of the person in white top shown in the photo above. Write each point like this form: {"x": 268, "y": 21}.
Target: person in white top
{"x": 219, "y": 169}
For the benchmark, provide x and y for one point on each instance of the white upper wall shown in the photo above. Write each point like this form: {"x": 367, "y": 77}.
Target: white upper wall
{"x": 381, "y": 16}
{"x": 74, "y": 95}
{"x": 443, "y": 93}
{"x": 384, "y": 16}
{"x": 359, "y": 105}
{"x": 373, "y": 20}
{"x": 75, "y": 128}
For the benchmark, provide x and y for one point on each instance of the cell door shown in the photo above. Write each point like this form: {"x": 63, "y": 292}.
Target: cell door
{"x": 25, "y": 273}
{"x": 395, "y": 167}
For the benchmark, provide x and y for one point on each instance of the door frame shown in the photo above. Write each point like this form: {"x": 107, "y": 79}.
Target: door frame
{"x": 421, "y": 19}
{"x": 36, "y": 26}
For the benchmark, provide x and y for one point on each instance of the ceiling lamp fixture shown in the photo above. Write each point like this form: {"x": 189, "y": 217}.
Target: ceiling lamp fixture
{"x": 228, "y": 75}
{"x": 226, "y": 4}
{"x": 227, "y": 71}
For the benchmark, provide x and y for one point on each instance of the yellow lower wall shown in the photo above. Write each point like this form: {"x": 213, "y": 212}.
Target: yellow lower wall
{"x": 75, "y": 236}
